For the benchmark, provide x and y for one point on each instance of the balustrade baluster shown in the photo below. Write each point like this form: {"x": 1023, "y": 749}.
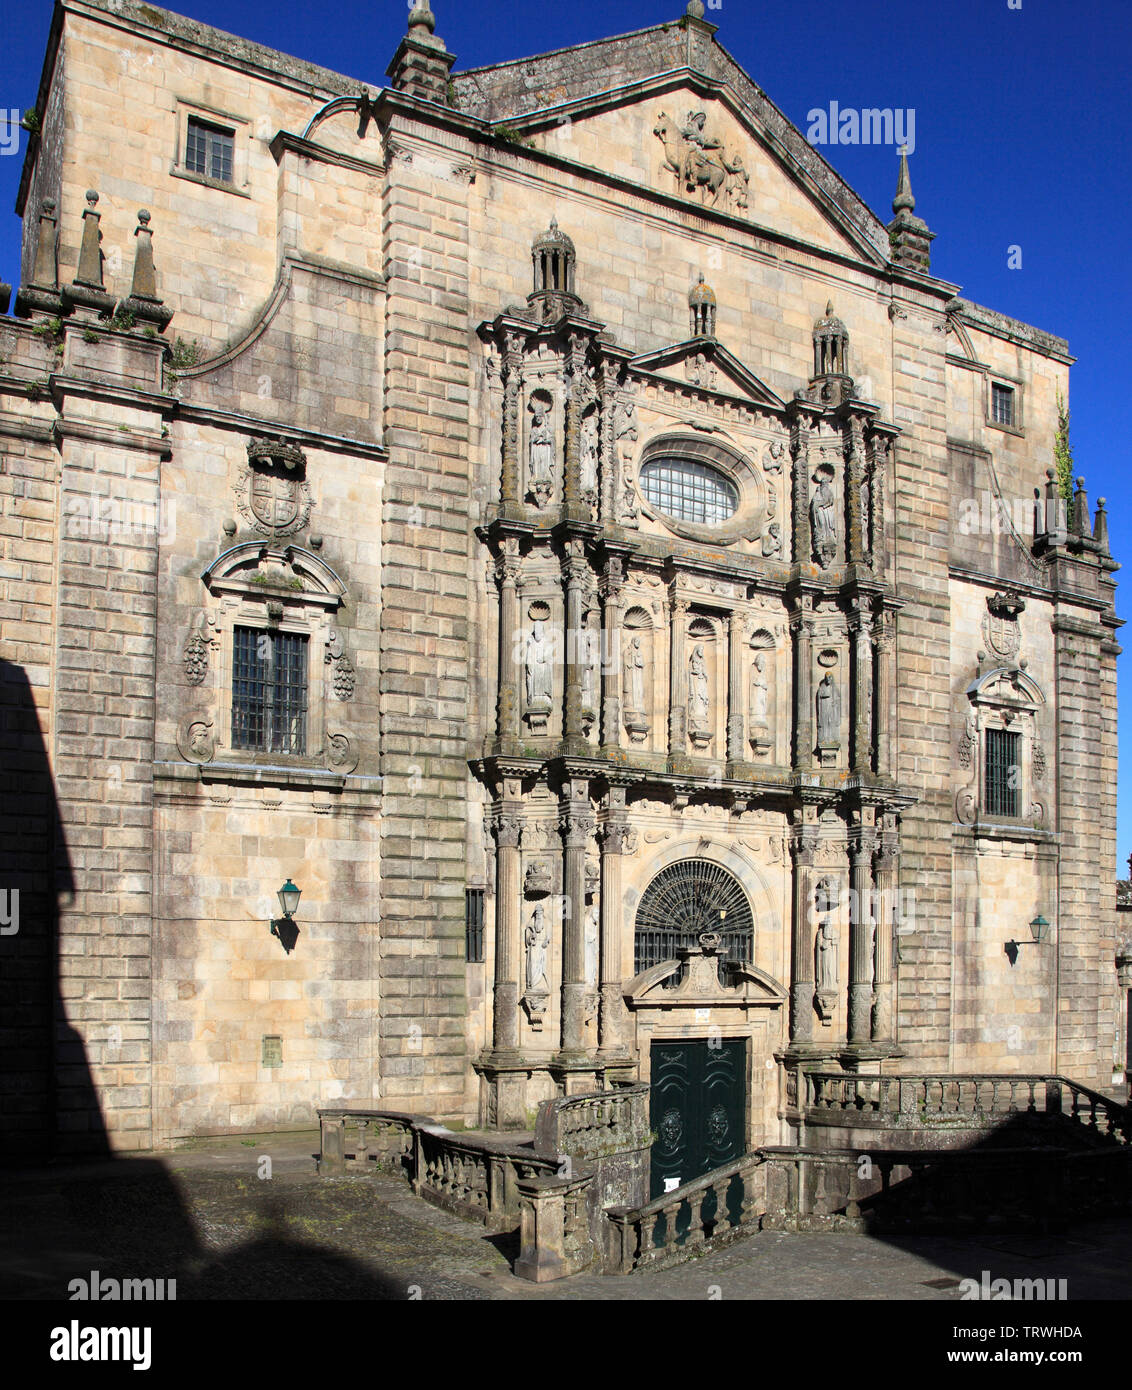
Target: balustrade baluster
{"x": 722, "y": 1220}
{"x": 695, "y": 1234}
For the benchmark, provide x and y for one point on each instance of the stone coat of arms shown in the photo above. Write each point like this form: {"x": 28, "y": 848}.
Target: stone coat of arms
{"x": 272, "y": 492}
{"x": 700, "y": 162}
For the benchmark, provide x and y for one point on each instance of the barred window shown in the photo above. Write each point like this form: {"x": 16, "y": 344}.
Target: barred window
{"x": 208, "y": 150}
{"x": 685, "y": 899}
{"x": 1002, "y": 404}
{"x": 689, "y": 491}
{"x": 473, "y": 925}
{"x": 269, "y": 691}
{"x": 1003, "y": 769}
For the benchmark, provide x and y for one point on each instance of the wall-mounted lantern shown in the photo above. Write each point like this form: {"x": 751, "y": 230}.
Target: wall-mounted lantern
{"x": 1038, "y": 926}
{"x": 284, "y": 927}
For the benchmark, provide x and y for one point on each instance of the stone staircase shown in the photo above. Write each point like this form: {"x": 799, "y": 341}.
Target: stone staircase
{"x": 927, "y": 1153}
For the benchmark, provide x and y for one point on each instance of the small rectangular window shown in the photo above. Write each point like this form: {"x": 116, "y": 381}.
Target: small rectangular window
{"x": 209, "y": 149}
{"x": 473, "y": 925}
{"x": 1003, "y": 772}
{"x": 269, "y": 691}
{"x": 1002, "y": 404}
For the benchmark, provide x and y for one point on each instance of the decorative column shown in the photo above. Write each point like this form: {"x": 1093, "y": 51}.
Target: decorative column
{"x": 885, "y": 642}
{"x": 608, "y": 491}
{"x": 507, "y": 706}
{"x": 882, "y": 452}
{"x": 886, "y": 871}
{"x": 861, "y": 936}
{"x": 736, "y": 722}
{"x": 507, "y": 826}
{"x": 800, "y": 452}
{"x": 860, "y": 627}
{"x": 677, "y": 683}
{"x": 802, "y": 630}
{"x": 575, "y": 570}
{"x": 802, "y": 848}
{"x": 617, "y": 838}
{"x": 576, "y": 508}
{"x": 857, "y": 543}
{"x": 511, "y": 486}
{"x": 609, "y": 588}
{"x": 577, "y": 825}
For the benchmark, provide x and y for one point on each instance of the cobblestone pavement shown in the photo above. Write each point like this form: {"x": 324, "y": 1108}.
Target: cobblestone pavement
{"x": 203, "y": 1216}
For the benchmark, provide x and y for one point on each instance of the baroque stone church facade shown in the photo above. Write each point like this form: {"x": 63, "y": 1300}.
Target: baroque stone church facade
{"x": 542, "y": 513}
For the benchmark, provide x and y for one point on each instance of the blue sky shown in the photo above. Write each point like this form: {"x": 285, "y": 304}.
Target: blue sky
{"x": 1021, "y": 111}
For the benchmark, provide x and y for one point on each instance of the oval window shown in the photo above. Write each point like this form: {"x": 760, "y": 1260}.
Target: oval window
{"x": 689, "y": 491}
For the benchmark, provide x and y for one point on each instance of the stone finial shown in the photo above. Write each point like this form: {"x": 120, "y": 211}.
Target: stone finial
{"x": 41, "y": 294}
{"x": 831, "y": 358}
{"x": 89, "y": 272}
{"x": 143, "y": 301}
{"x": 1082, "y": 526}
{"x": 422, "y": 17}
{"x": 553, "y": 261}
{"x": 908, "y": 235}
{"x": 46, "y": 273}
{"x": 1100, "y": 528}
{"x": 87, "y": 290}
{"x": 904, "y": 201}
{"x": 695, "y": 9}
{"x": 422, "y": 63}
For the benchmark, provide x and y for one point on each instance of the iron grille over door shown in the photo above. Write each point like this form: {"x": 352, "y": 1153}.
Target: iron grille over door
{"x": 269, "y": 691}
{"x": 685, "y": 899}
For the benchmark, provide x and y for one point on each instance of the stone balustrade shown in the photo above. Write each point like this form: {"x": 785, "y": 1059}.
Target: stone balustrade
{"x": 712, "y": 1210}
{"x": 596, "y": 1125}
{"x": 956, "y": 1101}
{"x": 381, "y": 1138}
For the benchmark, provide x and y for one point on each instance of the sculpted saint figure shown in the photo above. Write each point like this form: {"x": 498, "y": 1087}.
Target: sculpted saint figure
{"x": 589, "y": 454}
{"x": 823, "y": 520}
{"x": 591, "y": 945}
{"x": 829, "y": 711}
{"x": 635, "y": 675}
{"x": 760, "y": 692}
{"x": 697, "y": 686}
{"x": 538, "y": 939}
{"x": 541, "y": 446}
{"x": 825, "y": 953}
{"x": 538, "y": 666}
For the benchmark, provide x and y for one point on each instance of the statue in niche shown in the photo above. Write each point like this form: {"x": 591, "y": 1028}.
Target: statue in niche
{"x": 538, "y": 666}
{"x": 634, "y": 675}
{"x": 828, "y": 701}
{"x": 760, "y": 690}
{"x": 538, "y": 940}
{"x": 825, "y": 957}
{"x": 589, "y": 454}
{"x": 541, "y": 445}
{"x": 823, "y": 517}
{"x": 592, "y": 935}
{"x": 698, "y": 703}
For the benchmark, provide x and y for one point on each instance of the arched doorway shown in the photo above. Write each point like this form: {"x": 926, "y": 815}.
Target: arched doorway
{"x": 699, "y": 1084}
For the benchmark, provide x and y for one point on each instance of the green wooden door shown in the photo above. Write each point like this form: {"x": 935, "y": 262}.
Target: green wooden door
{"x": 697, "y": 1108}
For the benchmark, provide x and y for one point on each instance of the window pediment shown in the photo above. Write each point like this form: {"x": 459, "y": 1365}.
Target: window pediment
{"x": 254, "y": 567}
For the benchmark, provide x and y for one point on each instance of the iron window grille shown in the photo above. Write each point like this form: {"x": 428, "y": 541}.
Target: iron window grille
{"x": 1002, "y": 772}
{"x": 269, "y": 691}
{"x": 685, "y": 899}
{"x": 473, "y": 925}
{"x": 689, "y": 491}
{"x": 209, "y": 150}
{"x": 1002, "y": 405}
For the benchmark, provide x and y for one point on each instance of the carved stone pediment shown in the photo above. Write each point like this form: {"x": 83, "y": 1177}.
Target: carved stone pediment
{"x": 706, "y": 363}
{"x": 701, "y": 987}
